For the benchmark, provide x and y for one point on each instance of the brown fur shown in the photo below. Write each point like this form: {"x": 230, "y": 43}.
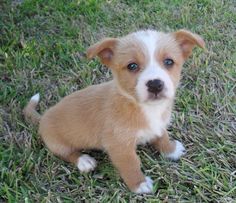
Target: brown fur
{"x": 164, "y": 144}
{"x": 187, "y": 40}
{"x": 30, "y": 113}
{"x": 107, "y": 116}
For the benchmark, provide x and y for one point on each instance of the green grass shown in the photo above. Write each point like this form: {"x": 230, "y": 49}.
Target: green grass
{"x": 42, "y": 46}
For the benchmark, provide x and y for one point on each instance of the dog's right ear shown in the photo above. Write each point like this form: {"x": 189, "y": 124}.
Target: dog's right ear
{"x": 104, "y": 50}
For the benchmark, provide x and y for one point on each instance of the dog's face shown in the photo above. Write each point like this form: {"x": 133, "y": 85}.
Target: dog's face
{"x": 147, "y": 64}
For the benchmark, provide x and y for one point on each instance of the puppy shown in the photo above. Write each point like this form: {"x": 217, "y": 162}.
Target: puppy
{"x": 134, "y": 108}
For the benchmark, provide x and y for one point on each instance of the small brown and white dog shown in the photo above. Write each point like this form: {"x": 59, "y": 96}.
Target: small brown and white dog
{"x": 134, "y": 108}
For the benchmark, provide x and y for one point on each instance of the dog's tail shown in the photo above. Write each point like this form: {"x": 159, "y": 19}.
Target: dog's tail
{"x": 30, "y": 112}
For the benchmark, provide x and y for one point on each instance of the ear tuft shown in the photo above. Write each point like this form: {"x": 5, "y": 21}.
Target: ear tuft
{"x": 103, "y": 49}
{"x": 187, "y": 41}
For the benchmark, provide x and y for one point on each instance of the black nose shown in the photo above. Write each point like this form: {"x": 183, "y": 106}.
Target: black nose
{"x": 155, "y": 86}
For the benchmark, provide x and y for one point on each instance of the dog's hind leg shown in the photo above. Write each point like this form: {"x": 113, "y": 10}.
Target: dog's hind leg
{"x": 84, "y": 162}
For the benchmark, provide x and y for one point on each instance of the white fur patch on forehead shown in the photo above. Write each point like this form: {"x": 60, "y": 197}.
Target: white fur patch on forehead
{"x": 149, "y": 39}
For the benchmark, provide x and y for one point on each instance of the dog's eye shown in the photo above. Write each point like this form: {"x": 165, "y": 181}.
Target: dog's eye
{"x": 133, "y": 67}
{"x": 168, "y": 62}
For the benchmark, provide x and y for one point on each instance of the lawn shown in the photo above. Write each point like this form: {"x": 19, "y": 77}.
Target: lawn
{"x": 42, "y": 46}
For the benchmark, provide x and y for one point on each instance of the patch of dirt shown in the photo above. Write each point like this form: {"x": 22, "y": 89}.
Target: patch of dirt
{"x": 9, "y": 133}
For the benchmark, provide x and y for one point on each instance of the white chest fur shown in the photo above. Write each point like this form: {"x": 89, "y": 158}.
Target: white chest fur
{"x": 158, "y": 117}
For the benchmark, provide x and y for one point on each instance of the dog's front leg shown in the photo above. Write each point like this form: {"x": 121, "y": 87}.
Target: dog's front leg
{"x": 125, "y": 159}
{"x": 172, "y": 149}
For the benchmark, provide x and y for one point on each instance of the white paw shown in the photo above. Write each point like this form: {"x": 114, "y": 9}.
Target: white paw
{"x": 179, "y": 151}
{"x": 86, "y": 163}
{"x": 145, "y": 187}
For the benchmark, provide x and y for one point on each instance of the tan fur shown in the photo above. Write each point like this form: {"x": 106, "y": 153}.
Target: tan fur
{"x": 164, "y": 144}
{"x": 187, "y": 40}
{"x": 30, "y": 113}
{"x": 108, "y": 116}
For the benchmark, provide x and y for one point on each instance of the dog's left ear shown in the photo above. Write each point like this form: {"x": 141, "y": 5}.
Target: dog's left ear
{"x": 187, "y": 41}
{"x": 104, "y": 50}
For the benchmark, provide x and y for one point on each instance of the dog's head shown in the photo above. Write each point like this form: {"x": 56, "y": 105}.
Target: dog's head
{"x": 147, "y": 64}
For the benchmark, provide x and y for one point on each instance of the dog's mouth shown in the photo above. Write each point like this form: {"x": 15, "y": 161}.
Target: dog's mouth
{"x": 152, "y": 97}
{"x": 155, "y": 97}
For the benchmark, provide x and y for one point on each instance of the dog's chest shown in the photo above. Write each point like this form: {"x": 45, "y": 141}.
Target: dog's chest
{"x": 157, "y": 117}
